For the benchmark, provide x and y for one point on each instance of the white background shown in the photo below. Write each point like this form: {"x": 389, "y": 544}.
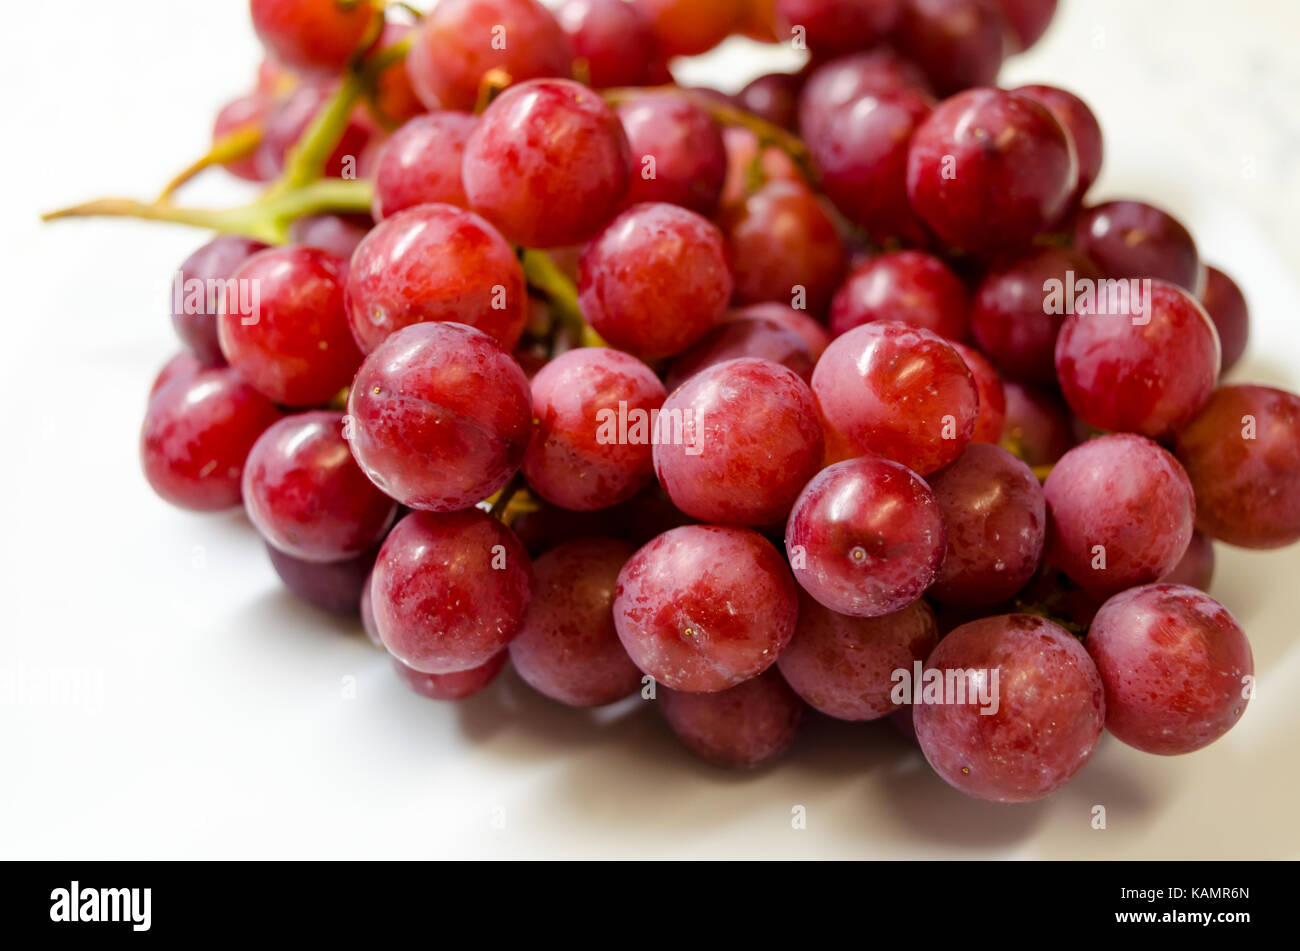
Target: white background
{"x": 214, "y": 721}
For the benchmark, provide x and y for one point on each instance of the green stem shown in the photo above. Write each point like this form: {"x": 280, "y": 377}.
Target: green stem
{"x": 235, "y": 145}
{"x": 306, "y": 160}
{"x": 546, "y": 277}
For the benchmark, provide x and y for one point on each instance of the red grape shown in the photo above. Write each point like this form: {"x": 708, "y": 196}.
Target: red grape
{"x": 751, "y": 165}
{"x": 338, "y": 235}
{"x": 774, "y": 97}
{"x": 743, "y": 726}
{"x": 741, "y": 337}
{"x": 305, "y": 493}
{"x": 1027, "y": 19}
{"x": 441, "y": 416}
{"x": 578, "y": 457}
{"x": 992, "y": 417}
{"x": 812, "y": 333}
{"x": 245, "y": 112}
{"x": 333, "y": 586}
{"x": 655, "y": 280}
{"x": 844, "y": 666}
{"x": 910, "y": 287}
{"x": 832, "y": 27}
{"x": 548, "y": 163}
{"x": 1176, "y": 665}
{"x": 1134, "y": 239}
{"x": 1196, "y": 570}
{"x": 435, "y": 263}
{"x": 705, "y": 607}
{"x": 196, "y": 436}
{"x": 183, "y": 366}
{"x": 843, "y": 81}
{"x": 1226, "y": 306}
{"x": 395, "y": 100}
{"x": 459, "y": 685}
{"x": 449, "y": 590}
{"x": 613, "y": 37}
{"x": 958, "y": 43}
{"x": 1242, "y": 453}
{"x": 1038, "y": 427}
{"x": 199, "y": 287}
{"x": 283, "y": 326}
{"x": 1078, "y": 120}
{"x": 567, "y": 647}
{"x": 1146, "y": 374}
{"x": 1121, "y": 513}
{"x": 314, "y": 34}
{"x": 677, "y": 151}
{"x": 1048, "y": 701}
{"x": 898, "y": 391}
{"x": 421, "y": 163}
{"x": 866, "y": 537}
{"x": 290, "y": 119}
{"x": 688, "y": 27}
{"x": 750, "y": 441}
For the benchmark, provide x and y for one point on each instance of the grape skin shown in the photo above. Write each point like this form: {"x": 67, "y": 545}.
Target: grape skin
{"x": 742, "y": 727}
{"x": 460, "y": 685}
{"x": 335, "y": 586}
{"x": 421, "y": 164}
{"x": 215, "y": 262}
{"x": 685, "y": 146}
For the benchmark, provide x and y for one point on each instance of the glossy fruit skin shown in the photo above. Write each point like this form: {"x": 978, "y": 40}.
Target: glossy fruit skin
{"x": 843, "y": 666}
{"x": 395, "y": 100}
{"x": 1134, "y": 239}
{"x": 861, "y": 150}
{"x": 421, "y": 164}
{"x": 834, "y": 27}
{"x": 774, "y": 97}
{"x": 306, "y": 495}
{"x": 689, "y": 27}
{"x": 200, "y": 303}
{"x": 290, "y": 118}
{"x": 705, "y": 607}
{"x": 1009, "y": 317}
{"x": 898, "y": 391}
{"x": 548, "y": 164}
{"x": 1196, "y": 570}
{"x": 992, "y": 417}
{"x": 313, "y": 35}
{"x": 751, "y": 441}
{"x": 1051, "y": 707}
{"x": 743, "y": 155}
{"x": 737, "y": 338}
{"x": 1010, "y": 170}
{"x": 1078, "y": 120}
{"x": 811, "y": 332}
{"x": 196, "y": 436}
{"x": 243, "y": 112}
{"x": 183, "y": 366}
{"x": 840, "y": 82}
{"x": 866, "y": 537}
{"x": 677, "y": 152}
{"x": 652, "y": 261}
{"x": 995, "y": 520}
{"x": 283, "y": 327}
{"x": 454, "y": 49}
{"x": 441, "y": 416}
{"x": 435, "y": 263}
{"x": 1226, "y": 306}
{"x": 333, "y": 586}
{"x": 613, "y": 37}
{"x": 1028, "y": 20}
{"x": 909, "y": 287}
{"x": 742, "y": 727}
{"x": 1038, "y": 427}
{"x": 780, "y": 239}
{"x": 567, "y": 647}
{"x": 1242, "y": 453}
{"x": 578, "y": 399}
{"x": 1146, "y": 374}
{"x": 958, "y": 43}
{"x": 1126, "y": 495}
{"x": 1175, "y": 663}
{"x": 449, "y": 590}
{"x": 338, "y": 235}
{"x": 460, "y": 685}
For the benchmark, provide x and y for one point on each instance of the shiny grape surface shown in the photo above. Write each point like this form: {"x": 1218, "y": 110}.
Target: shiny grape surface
{"x": 743, "y": 726}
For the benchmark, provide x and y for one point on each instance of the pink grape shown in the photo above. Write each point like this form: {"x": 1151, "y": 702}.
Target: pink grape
{"x": 992, "y": 417}
{"x": 739, "y": 337}
{"x": 676, "y": 150}
{"x": 908, "y": 287}
{"x": 743, "y": 726}
{"x": 1226, "y": 306}
{"x": 460, "y": 685}
{"x": 421, "y": 164}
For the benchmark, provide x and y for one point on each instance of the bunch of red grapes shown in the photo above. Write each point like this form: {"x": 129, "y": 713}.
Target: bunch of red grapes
{"x": 746, "y": 404}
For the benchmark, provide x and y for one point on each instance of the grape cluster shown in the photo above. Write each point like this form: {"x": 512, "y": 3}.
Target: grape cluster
{"x": 746, "y": 403}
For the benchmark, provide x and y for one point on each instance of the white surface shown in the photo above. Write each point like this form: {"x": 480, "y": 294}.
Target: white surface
{"x": 213, "y": 718}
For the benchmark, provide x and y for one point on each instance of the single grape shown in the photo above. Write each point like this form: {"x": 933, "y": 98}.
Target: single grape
{"x": 990, "y": 169}
{"x": 1011, "y": 316}
{"x": 395, "y": 100}
{"x": 290, "y": 119}
{"x": 1027, "y": 733}
{"x": 743, "y": 726}
{"x": 441, "y": 416}
{"x": 183, "y": 366}
{"x": 197, "y": 433}
{"x": 992, "y": 417}
{"x": 774, "y": 97}
{"x": 751, "y": 165}
{"x": 812, "y": 333}
{"x": 1242, "y": 453}
{"x": 833, "y": 85}
{"x": 548, "y": 163}
{"x": 333, "y": 586}
{"x": 909, "y": 287}
{"x": 705, "y": 607}
{"x": 339, "y": 235}
{"x": 1226, "y": 305}
{"x": 613, "y": 37}
{"x": 306, "y": 495}
{"x": 461, "y": 41}
{"x": 1147, "y": 369}
{"x": 677, "y": 152}
{"x": 459, "y": 685}
{"x": 314, "y": 35}
{"x": 832, "y": 27}
{"x": 1196, "y": 570}
{"x": 958, "y": 43}
{"x": 421, "y": 163}
{"x": 1028, "y": 20}
{"x": 1177, "y": 667}
{"x": 690, "y": 27}
{"x": 435, "y": 263}
{"x": 1038, "y": 428}
{"x": 737, "y": 338}
{"x": 866, "y": 537}
{"x": 449, "y": 590}
{"x": 898, "y": 391}
{"x": 1121, "y": 513}
{"x": 593, "y": 412}
{"x": 655, "y": 280}
{"x": 737, "y": 443}
{"x": 198, "y": 289}
{"x": 1133, "y": 239}
{"x": 567, "y": 647}
{"x": 241, "y": 114}
{"x": 783, "y": 247}
{"x": 1078, "y": 120}
{"x": 844, "y": 666}
{"x": 996, "y": 522}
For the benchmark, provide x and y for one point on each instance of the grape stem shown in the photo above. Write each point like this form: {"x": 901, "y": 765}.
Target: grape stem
{"x": 545, "y": 276}
{"x": 235, "y": 145}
